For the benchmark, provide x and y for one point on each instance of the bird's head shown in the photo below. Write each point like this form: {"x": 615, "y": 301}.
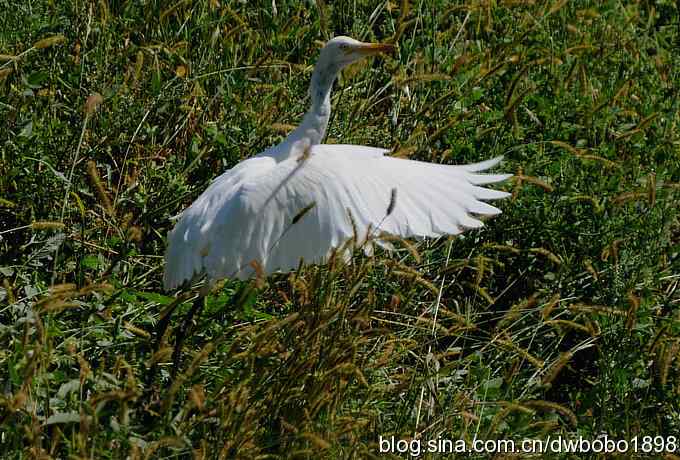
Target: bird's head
{"x": 342, "y": 51}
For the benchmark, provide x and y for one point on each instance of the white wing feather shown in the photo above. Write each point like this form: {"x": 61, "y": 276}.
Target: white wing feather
{"x": 247, "y": 213}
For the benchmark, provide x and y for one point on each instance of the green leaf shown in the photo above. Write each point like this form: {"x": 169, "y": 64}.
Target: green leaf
{"x": 246, "y": 301}
{"x": 91, "y": 262}
{"x": 493, "y": 384}
{"x": 263, "y": 315}
{"x": 36, "y": 79}
{"x": 477, "y": 93}
{"x": 27, "y": 130}
{"x": 156, "y": 82}
{"x": 13, "y": 374}
{"x": 155, "y": 297}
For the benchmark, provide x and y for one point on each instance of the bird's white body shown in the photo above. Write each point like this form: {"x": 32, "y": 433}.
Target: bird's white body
{"x": 301, "y": 199}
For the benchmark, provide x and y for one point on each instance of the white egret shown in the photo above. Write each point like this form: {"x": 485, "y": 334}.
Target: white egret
{"x": 301, "y": 199}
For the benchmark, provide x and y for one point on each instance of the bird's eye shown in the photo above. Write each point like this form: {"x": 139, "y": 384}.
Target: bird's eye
{"x": 344, "y": 46}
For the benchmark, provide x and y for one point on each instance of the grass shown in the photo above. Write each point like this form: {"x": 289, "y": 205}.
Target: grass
{"x": 560, "y": 317}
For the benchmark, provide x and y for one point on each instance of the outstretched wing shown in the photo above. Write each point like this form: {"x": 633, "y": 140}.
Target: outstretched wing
{"x": 301, "y": 208}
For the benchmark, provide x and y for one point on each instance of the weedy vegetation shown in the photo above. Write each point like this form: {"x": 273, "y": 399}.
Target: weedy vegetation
{"x": 559, "y": 317}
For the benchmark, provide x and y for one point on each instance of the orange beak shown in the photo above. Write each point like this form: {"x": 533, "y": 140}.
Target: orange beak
{"x": 369, "y": 49}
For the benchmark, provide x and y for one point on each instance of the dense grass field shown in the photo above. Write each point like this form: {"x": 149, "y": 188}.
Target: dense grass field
{"x": 560, "y": 317}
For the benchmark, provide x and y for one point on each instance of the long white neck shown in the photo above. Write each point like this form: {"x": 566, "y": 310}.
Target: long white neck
{"x": 313, "y": 127}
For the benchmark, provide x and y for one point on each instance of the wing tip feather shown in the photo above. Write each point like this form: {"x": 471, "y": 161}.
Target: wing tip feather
{"x": 483, "y": 165}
